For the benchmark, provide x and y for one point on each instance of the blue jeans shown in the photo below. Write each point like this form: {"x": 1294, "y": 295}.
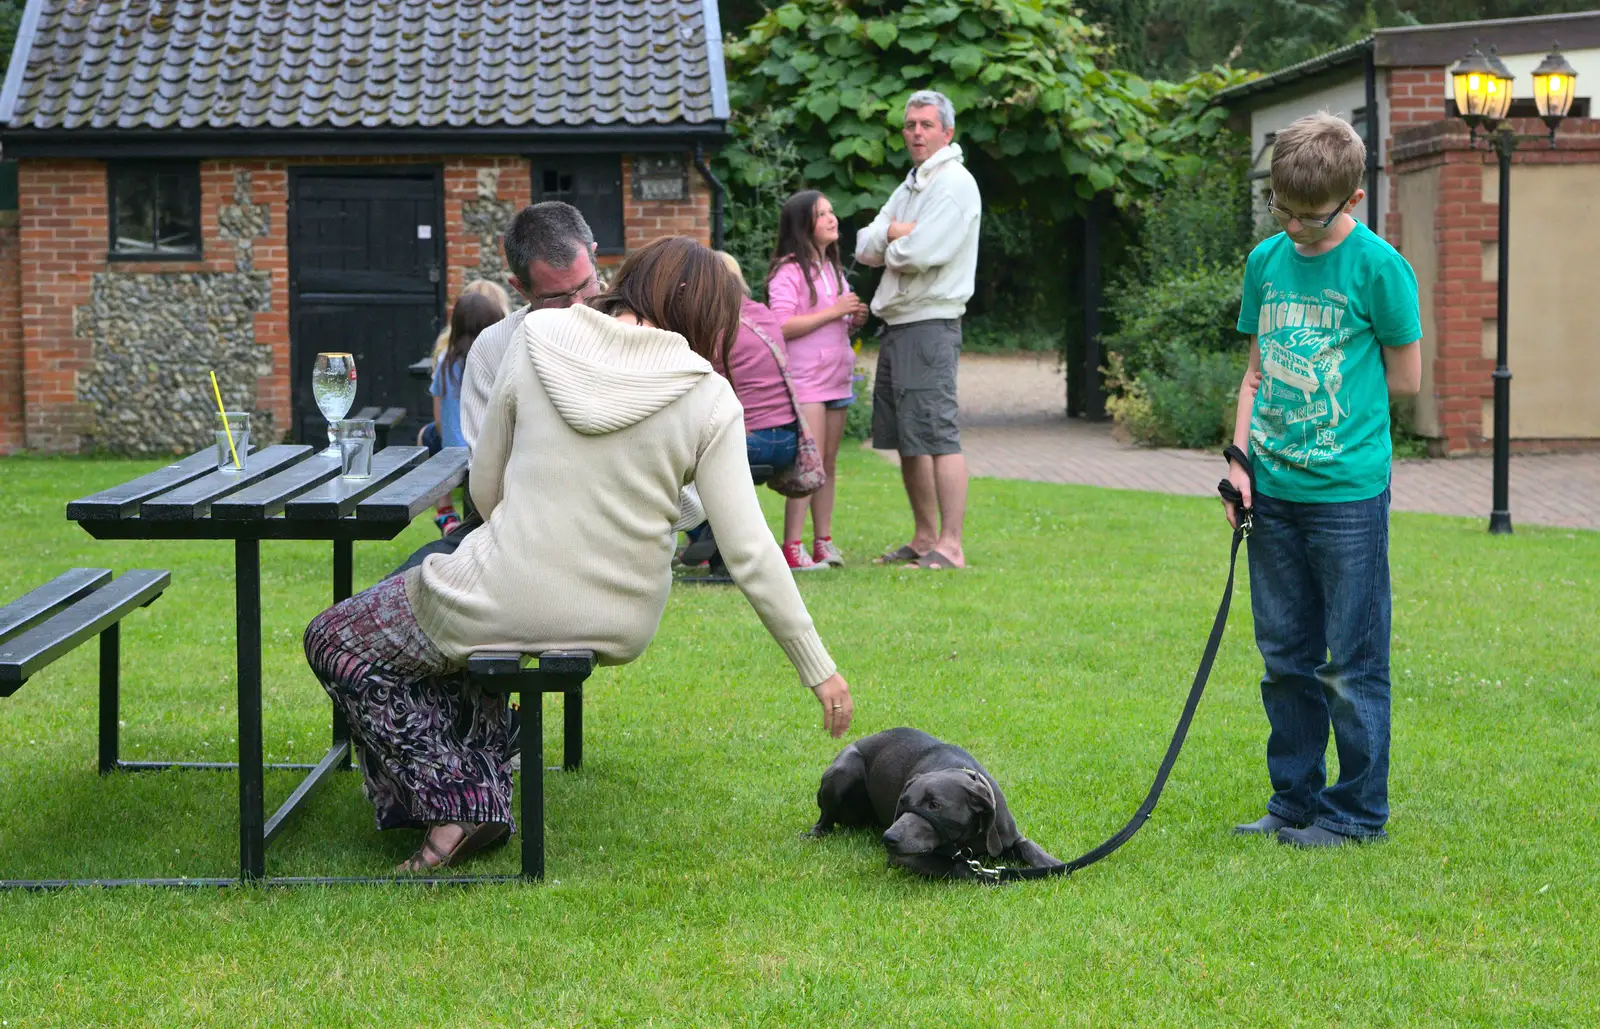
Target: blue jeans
{"x": 1319, "y": 590}
{"x": 775, "y": 447}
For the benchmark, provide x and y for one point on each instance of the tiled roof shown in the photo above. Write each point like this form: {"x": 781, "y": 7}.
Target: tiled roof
{"x": 418, "y": 64}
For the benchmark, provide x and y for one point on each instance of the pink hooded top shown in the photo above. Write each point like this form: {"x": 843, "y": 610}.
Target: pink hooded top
{"x": 756, "y": 380}
{"x": 821, "y": 361}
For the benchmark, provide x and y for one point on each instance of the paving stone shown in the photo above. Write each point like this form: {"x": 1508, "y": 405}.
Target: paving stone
{"x": 1013, "y": 427}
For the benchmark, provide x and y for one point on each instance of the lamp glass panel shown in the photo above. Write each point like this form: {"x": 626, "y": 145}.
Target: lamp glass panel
{"x": 1498, "y": 100}
{"x": 1458, "y": 84}
{"x": 1552, "y": 94}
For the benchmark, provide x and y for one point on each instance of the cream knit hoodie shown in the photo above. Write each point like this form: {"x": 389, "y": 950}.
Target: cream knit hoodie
{"x": 592, "y": 428}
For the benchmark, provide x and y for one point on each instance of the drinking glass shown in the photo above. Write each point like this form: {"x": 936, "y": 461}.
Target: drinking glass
{"x": 333, "y": 384}
{"x": 356, "y": 437}
{"x": 237, "y": 423}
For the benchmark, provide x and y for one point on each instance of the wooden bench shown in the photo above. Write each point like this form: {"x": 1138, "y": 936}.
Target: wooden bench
{"x": 384, "y": 420}
{"x": 64, "y": 613}
{"x": 553, "y": 671}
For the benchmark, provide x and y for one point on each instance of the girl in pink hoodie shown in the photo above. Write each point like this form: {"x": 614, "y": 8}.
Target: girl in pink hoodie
{"x": 807, "y": 291}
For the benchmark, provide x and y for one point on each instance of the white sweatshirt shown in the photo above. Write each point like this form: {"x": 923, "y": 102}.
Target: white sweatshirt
{"x": 477, "y": 381}
{"x": 928, "y": 274}
{"x": 591, "y": 429}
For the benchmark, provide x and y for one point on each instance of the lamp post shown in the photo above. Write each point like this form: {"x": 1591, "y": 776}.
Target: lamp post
{"x": 1482, "y": 88}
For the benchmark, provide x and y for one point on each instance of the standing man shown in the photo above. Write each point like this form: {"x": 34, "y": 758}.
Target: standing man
{"x": 926, "y": 240}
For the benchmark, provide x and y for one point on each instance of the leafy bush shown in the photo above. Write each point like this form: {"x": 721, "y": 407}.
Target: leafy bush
{"x": 1175, "y": 358}
{"x": 1186, "y": 311}
{"x": 858, "y": 416}
{"x": 769, "y": 174}
{"x": 1191, "y": 404}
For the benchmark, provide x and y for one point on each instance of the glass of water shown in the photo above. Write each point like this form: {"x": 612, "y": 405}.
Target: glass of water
{"x": 236, "y": 424}
{"x": 333, "y": 384}
{"x": 356, "y": 437}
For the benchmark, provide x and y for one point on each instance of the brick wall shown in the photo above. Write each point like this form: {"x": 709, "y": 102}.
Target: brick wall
{"x": 1414, "y": 96}
{"x": 645, "y": 220}
{"x": 11, "y": 434}
{"x": 1466, "y": 237}
{"x": 63, "y": 238}
{"x": 61, "y": 243}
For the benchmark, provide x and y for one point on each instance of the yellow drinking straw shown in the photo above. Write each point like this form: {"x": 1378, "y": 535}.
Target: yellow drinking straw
{"x": 224, "y": 413}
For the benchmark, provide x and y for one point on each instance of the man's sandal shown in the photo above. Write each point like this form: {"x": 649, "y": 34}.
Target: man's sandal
{"x": 903, "y": 554}
{"x": 934, "y": 561}
{"x": 477, "y": 837}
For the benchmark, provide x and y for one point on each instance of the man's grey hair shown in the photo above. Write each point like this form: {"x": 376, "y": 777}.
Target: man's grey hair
{"x": 935, "y": 99}
{"x": 552, "y": 232}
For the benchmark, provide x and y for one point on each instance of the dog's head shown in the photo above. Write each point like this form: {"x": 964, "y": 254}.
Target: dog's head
{"x": 939, "y": 814}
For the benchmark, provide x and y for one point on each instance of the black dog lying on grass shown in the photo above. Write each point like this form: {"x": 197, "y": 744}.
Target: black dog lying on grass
{"x": 937, "y": 803}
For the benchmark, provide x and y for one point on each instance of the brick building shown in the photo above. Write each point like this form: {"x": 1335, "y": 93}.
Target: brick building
{"x": 239, "y": 184}
{"x": 1436, "y": 198}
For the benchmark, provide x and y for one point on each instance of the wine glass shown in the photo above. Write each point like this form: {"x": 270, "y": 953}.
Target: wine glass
{"x": 333, "y": 384}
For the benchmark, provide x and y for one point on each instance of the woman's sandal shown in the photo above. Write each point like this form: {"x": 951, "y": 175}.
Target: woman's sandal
{"x": 476, "y": 838}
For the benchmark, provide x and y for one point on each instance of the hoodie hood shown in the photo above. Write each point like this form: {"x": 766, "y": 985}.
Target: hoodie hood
{"x": 918, "y": 179}
{"x": 603, "y": 375}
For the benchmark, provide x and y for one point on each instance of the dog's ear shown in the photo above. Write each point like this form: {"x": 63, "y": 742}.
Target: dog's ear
{"x": 988, "y": 827}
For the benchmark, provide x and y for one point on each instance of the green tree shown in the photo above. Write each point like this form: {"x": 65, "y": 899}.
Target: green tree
{"x": 1172, "y": 38}
{"x": 10, "y": 18}
{"x": 1045, "y": 123}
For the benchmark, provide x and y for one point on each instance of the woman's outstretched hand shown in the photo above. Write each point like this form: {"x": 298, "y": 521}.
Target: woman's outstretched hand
{"x": 837, "y": 707}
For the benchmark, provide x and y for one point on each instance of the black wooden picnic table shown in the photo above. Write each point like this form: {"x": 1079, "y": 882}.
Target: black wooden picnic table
{"x": 281, "y": 493}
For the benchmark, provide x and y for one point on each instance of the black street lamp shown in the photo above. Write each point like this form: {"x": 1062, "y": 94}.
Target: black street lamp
{"x": 1482, "y": 88}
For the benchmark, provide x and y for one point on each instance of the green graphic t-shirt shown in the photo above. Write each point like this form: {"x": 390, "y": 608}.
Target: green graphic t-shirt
{"x": 1319, "y": 432}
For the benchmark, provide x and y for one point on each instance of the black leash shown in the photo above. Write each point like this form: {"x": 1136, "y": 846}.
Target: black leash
{"x": 1231, "y": 494}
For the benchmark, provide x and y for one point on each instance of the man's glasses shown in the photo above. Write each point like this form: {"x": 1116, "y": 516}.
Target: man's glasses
{"x": 1309, "y": 221}
{"x": 561, "y": 299}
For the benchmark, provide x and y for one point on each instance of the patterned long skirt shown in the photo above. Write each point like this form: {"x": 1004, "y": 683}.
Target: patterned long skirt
{"x": 432, "y": 747}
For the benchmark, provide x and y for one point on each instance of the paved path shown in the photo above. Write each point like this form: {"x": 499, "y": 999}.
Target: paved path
{"x": 1013, "y": 428}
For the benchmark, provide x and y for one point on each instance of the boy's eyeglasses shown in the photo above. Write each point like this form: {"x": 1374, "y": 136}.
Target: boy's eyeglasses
{"x": 1307, "y": 220}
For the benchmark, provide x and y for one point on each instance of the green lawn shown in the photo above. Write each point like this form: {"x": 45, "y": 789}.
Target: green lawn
{"x": 681, "y": 891}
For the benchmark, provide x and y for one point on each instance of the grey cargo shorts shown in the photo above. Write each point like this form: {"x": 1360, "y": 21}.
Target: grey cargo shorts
{"x": 914, "y": 390}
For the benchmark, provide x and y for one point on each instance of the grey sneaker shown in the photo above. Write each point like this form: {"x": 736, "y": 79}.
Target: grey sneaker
{"x": 823, "y": 552}
{"x": 1317, "y": 836}
{"x": 1266, "y": 825}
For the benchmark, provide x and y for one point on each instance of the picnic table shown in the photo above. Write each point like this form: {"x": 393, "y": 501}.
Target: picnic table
{"x": 281, "y": 493}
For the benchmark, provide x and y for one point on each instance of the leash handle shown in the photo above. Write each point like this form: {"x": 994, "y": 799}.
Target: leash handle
{"x": 1230, "y": 492}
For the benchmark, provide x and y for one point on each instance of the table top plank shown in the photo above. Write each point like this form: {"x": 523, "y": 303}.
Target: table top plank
{"x": 271, "y": 495}
{"x": 35, "y": 605}
{"x": 338, "y": 497}
{"x": 194, "y": 499}
{"x": 418, "y": 490}
{"x": 123, "y": 501}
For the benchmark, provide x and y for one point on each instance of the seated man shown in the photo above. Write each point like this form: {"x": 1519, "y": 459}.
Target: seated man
{"x": 549, "y": 251}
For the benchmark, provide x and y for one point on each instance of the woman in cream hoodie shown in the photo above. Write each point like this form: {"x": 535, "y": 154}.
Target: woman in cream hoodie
{"x": 599, "y": 415}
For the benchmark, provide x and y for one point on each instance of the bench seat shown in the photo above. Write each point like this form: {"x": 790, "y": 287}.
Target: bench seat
{"x": 532, "y": 676}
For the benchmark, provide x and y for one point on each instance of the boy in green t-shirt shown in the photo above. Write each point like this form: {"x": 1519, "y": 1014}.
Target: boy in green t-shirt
{"x": 1332, "y": 312}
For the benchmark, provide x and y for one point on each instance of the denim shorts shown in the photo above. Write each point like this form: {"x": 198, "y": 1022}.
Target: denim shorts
{"x": 775, "y": 447}
{"x": 840, "y": 404}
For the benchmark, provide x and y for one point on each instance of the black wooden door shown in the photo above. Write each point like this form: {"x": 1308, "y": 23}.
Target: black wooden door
{"x": 366, "y": 276}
